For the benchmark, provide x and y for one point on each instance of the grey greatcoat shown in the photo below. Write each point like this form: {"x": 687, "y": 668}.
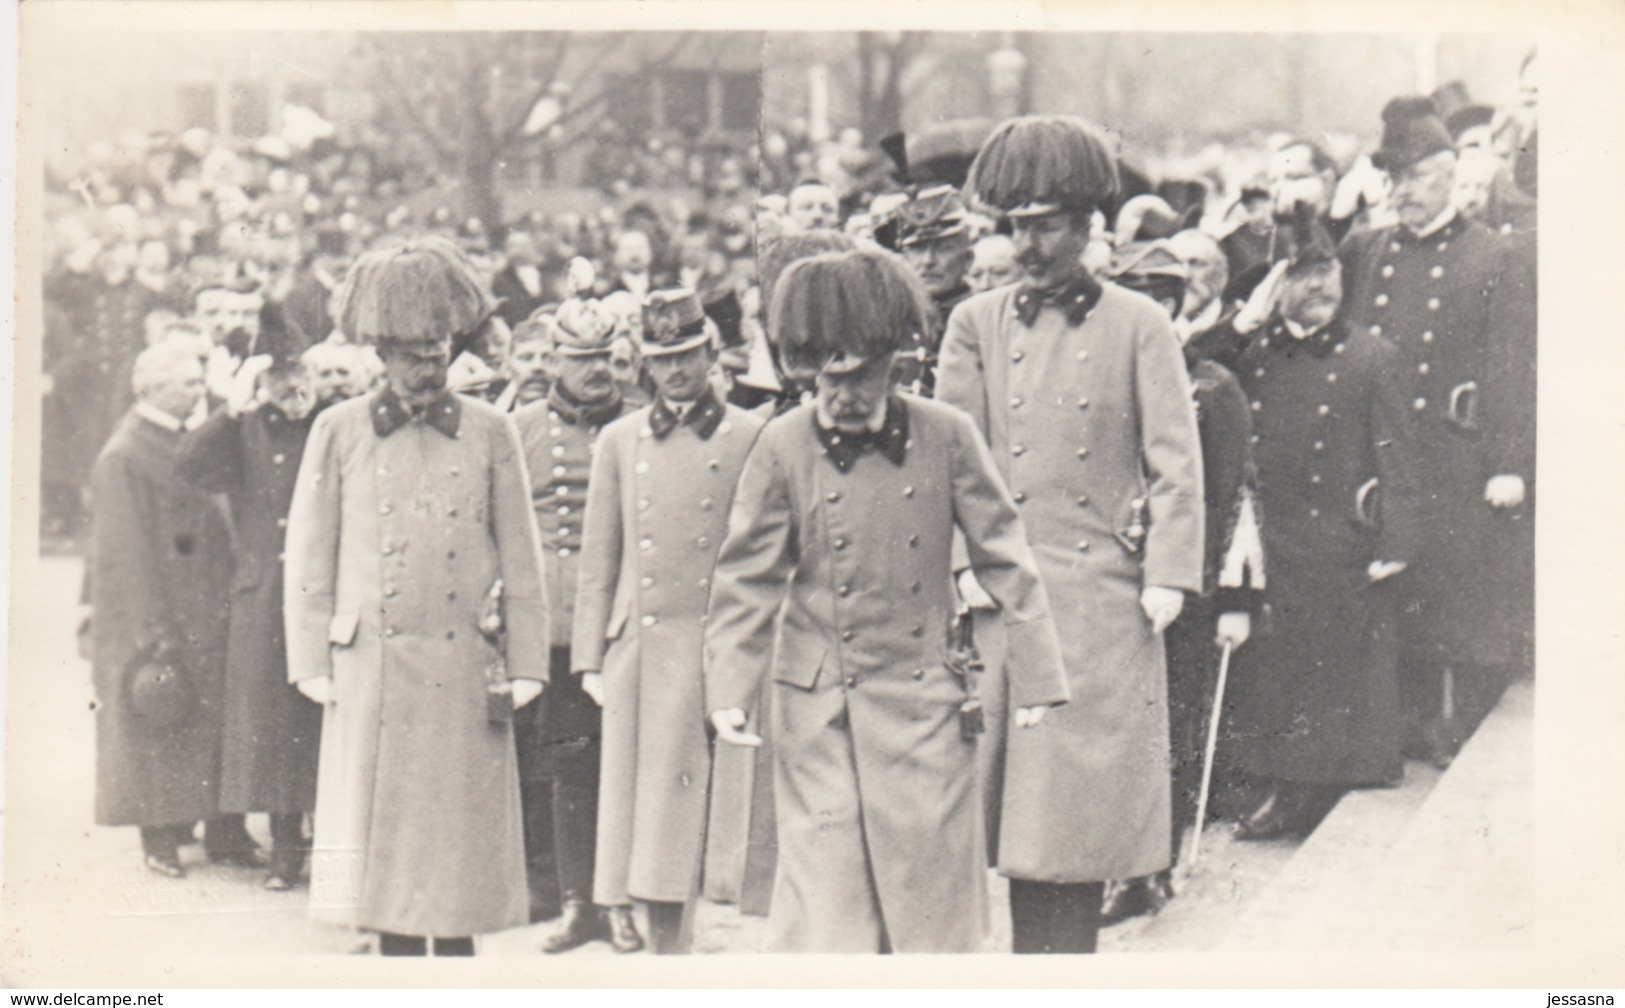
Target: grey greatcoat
{"x": 398, "y": 530}
{"x": 160, "y": 566}
{"x": 657, "y": 508}
{"x": 837, "y": 586}
{"x": 1085, "y": 419}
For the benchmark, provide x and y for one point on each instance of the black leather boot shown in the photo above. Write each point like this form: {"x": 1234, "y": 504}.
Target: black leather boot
{"x": 623, "y": 930}
{"x": 581, "y": 923}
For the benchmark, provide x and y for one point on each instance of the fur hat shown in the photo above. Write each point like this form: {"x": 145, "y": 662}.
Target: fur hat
{"x": 420, "y": 290}
{"x": 1042, "y": 164}
{"x": 859, "y": 304}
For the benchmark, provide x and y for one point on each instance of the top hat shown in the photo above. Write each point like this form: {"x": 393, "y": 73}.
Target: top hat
{"x": 673, "y": 322}
{"x": 1411, "y": 131}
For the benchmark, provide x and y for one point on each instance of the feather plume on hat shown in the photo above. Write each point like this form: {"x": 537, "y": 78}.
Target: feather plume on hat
{"x": 422, "y": 289}
{"x": 1054, "y": 161}
{"x": 858, "y": 304}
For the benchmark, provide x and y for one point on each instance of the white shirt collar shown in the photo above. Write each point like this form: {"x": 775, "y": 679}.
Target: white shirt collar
{"x": 1298, "y": 331}
{"x": 1445, "y": 217}
{"x": 153, "y": 415}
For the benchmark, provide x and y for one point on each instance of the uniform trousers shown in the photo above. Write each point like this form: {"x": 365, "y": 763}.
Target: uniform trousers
{"x": 1054, "y": 918}
{"x": 1193, "y": 672}
{"x": 559, "y": 742}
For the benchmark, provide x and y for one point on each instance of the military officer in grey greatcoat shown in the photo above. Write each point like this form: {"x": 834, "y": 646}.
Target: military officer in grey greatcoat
{"x": 1081, "y": 391}
{"x": 657, "y": 507}
{"x": 560, "y": 743}
{"x": 416, "y": 616}
{"x": 1437, "y": 286}
{"x": 835, "y": 583}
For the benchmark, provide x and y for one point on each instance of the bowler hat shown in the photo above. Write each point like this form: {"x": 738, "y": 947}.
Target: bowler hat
{"x": 1411, "y": 131}
{"x": 158, "y": 693}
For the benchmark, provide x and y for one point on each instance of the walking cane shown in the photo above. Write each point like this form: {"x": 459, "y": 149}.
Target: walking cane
{"x": 1207, "y": 758}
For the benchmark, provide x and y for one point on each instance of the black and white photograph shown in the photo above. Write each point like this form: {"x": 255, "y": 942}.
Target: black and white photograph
{"x": 560, "y": 488}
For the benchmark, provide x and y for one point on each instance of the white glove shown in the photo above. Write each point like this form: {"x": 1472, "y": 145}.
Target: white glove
{"x": 1382, "y": 569}
{"x": 1031, "y": 717}
{"x": 1504, "y": 491}
{"x": 972, "y": 593}
{"x": 1359, "y": 181}
{"x": 592, "y": 684}
{"x": 317, "y": 690}
{"x": 1261, "y": 303}
{"x": 1233, "y": 629}
{"x": 243, "y": 397}
{"x": 730, "y": 726}
{"x": 1161, "y": 606}
{"x": 524, "y": 691}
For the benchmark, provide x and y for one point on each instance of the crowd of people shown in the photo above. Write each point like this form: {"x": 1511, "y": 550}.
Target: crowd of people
{"x": 812, "y": 557}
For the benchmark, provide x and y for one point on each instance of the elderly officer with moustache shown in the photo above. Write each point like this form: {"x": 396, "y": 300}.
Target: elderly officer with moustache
{"x": 657, "y": 507}
{"x": 1081, "y": 391}
{"x": 560, "y": 743}
{"x": 1436, "y": 285}
{"x": 835, "y": 583}
{"x": 416, "y": 616}
{"x": 1314, "y": 703}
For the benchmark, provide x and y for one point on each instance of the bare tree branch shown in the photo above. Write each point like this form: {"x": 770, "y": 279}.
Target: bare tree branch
{"x": 554, "y": 63}
{"x": 614, "y": 91}
{"x": 414, "y": 111}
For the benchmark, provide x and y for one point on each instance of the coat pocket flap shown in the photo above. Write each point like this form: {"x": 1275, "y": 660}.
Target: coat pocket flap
{"x": 342, "y": 627}
{"x": 799, "y": 665}
{"x": 617, "y": 624}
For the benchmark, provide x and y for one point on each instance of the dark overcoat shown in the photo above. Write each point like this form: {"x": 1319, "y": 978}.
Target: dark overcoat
{"x": 1314, "y": 696}
{"x": 160, "y": 565}
{"x": 395, "y": 540}
{"x": 657, "y": 509}
{"x": 1441, "y": 302}
{"x": 271, "y": 732}
{"x": 1092, "y": 427}
{"x": 837, "y": 587}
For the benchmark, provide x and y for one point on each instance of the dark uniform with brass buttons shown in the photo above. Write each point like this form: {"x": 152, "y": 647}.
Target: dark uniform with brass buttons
{"x": 835, "y": 582}
{"x": 1314, "y": 696}
{"x": 560, "y": 737}
{"x": 1440, "y": 300}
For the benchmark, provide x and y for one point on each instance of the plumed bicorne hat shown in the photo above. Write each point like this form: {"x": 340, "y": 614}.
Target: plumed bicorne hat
{"x": 1411, "y": 131}
{"x": 420, "y": 290}
{"x": 1042, "y": 164}
{"x": 673, "y": 322}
